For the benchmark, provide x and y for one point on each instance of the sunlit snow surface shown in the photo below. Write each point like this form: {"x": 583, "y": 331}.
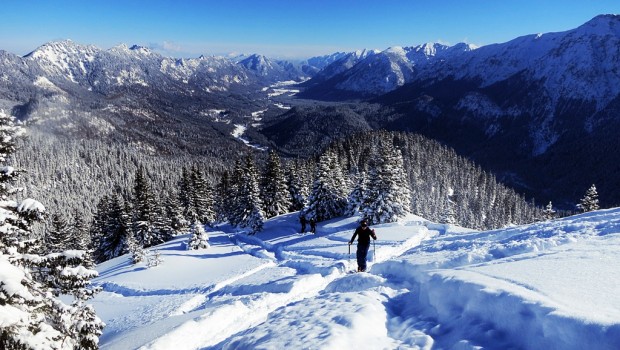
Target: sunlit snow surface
{"x": 549, "y": 285}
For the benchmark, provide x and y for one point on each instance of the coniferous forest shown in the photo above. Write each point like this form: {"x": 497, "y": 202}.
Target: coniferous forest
{"x": 115, "y": 200}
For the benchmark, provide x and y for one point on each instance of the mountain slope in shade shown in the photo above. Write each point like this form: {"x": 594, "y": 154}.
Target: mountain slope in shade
{"x": 536, "y": 110}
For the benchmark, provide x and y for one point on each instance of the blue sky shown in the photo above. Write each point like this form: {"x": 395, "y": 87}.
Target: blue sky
{"x": 284, "y": 28}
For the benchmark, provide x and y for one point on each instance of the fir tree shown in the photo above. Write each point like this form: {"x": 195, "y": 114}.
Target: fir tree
{"x": 327, "y": 199}
{"x": 590, "y": 201}
{"x": 59, "y": 236}
{"x": 81, "y": 237}
{"x": 135, "y": 249}
{"x": 116, "y": 231}
{"x": 297, "y": 185}
{"x": 548, "y": 213}
{"x": 173, "y": 211}
{"x": 153, "y": 258}
{"x": 249, "y": 204}
{"x": 98, "y": 226}
{"x": 201, "y": 197}
{"x": 275, "y": 195}
{"x": 199, "y": 238}
{"x": 223, "y": 198}
{"x": 186, "y": 194}
{"x": 355, "y": 201}
{"x": 388, "y": 195}
{"x": 449, "y": 216}
{"x": 145, "y": 213}
{"x": 235, "y": 213}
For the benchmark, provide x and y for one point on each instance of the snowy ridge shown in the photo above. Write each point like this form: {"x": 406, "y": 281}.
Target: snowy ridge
{"x": 546, "y": 285}
{"x": 576, "y": 64}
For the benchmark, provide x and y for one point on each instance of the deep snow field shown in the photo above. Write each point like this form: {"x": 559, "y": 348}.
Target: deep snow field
{"x": 549, "y": 285}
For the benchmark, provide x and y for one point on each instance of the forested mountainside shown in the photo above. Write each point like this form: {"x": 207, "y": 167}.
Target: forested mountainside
{"x": 441, "y": 182}
{"x": 92, "y": 178}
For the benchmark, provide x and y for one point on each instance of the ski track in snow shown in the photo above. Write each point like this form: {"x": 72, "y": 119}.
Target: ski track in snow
{"x": 211, "y": 328}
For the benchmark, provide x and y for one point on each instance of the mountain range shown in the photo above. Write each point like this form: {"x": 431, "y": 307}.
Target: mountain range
{"x": 540, "y": 110}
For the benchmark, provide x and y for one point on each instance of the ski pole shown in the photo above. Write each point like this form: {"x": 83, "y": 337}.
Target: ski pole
{"x": 349, "y": 253}
{"x": 374, "y": 251}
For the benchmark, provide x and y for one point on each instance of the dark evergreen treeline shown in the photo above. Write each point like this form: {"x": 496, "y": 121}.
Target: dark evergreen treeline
{"x": 441, "y": 181}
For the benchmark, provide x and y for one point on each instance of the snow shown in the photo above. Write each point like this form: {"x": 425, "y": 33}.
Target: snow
{"x": 238, "y": 133}
{"x": 548, "y": 285}
{"x": 30, "y": 205}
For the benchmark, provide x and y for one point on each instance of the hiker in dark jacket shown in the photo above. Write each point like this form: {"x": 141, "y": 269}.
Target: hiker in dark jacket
{"x": 363, "y": 232}
{"x": 302, "y": 221}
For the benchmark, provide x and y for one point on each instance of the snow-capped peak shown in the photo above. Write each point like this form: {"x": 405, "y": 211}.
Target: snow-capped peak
{"x": 141, "y": 50}
{"x": 397, "y": 50}
{"x": 55, "y": 50}
{"x": 365, "y": 53}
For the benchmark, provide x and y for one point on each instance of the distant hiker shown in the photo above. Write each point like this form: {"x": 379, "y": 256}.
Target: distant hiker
{"x": 363, "y": 243}
{"x": 312, "y": 225}
{"x": 302, "y": 220}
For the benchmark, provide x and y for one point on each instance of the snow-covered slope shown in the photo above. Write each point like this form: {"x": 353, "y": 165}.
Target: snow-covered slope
{"x": 549, "y": 285}
{"x": 577, "y": 64}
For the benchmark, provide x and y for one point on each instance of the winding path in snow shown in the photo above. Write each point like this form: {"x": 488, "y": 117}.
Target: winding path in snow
{"x": 308, "y": 268}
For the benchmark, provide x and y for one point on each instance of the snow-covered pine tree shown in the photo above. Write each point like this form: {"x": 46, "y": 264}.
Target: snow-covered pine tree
{"x": 326, "y": 201}
{"x": 145, "y": 211}
{"x": 112, "y": 241}
{"x": 199, "y": 238}
{"x": 249, "y": 204}
{"x": 388, "y": 194}
{"x": 59, "y": 235}
{"x": 153, "y": 258}
{"x": 222, "y": 198}
{"x": 186, "y": 194}
{"x": 355, "y": 200}
{"x": 135, "y": 249}
{"x": 69, "y": 273}
{"x": 590, "y": 201}
{"x": 174, "y": 213}
{"x": 98, "y": 225}
{"x": 162, "y": 223}
{"x": 201, "y": 197}
{"x": 449, "y": 215}
{"x": 275, "y": 195}
{"x": 31, "y": 317}
{"x": 548, "y": 213}
{"x": 234, "y": 197}
{"x": 297, "y": 185}
{"x": 81, "y": 236}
